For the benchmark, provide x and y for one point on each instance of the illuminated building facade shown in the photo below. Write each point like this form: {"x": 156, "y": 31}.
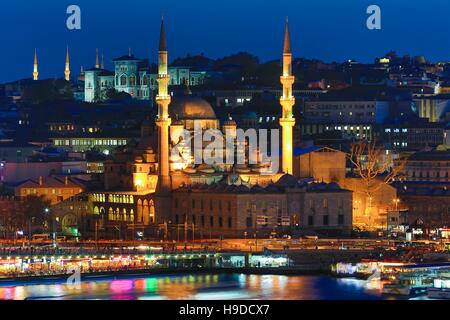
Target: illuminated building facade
{"x": 105, "y": 144}
{"x": 54, "y": 189}
{"x": 428, "y": 166}
{"x": 132, "y": 76}
{"x": 432, "y": 107}
{"x": 235, "y": 211}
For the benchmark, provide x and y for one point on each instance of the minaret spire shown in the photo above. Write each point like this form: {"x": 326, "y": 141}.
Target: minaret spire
{"x": 97, "y": 65}
{"x": 287, "y": 101}
{"x": 103, "y": 61}
{"x": 67, "y": 68}
{"x": 35, "y": 67}
{"x": 162, "y": 37}
{"x": 287, "y": 38}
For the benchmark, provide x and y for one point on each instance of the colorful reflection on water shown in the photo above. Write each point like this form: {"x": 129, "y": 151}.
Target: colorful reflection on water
{"x": 203, "y": 287}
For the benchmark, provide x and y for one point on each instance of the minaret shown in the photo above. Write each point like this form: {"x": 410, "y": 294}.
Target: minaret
{"x": 35, "y": 68}
{"x": 97, "y": 65}
{"x": 287, "y": 101}
{"x": 67, "y": 69}
{"x": 163, "y": 122}
{"x": 103, "y": 61}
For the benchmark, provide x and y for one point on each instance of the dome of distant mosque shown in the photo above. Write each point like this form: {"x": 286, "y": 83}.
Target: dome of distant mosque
{"x": 190, "y": 107}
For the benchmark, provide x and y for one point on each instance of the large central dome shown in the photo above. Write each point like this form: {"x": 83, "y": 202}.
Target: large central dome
{"x": 192, "y": 108}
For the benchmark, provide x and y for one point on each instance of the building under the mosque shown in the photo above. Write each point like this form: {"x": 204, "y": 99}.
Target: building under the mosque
{"x": 149, "y": 188}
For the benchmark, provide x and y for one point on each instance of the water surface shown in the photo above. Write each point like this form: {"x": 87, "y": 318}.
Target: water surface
{"x": 203, "y": 286}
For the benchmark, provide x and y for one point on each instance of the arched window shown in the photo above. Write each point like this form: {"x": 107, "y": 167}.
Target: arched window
{"x": 110, "y": 214}
{"x": 152, "y": 212}
{"x": 144, "y": 80}
{"x": 145, "y": 212}
{"x": 132, "y": 80}
{"x": 139, "y": 210}
{"x": 96, "y": 210}
{"x": 123, "y": 80}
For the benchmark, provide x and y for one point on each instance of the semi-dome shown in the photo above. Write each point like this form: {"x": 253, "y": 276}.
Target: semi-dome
{"x": 189, "y": 107}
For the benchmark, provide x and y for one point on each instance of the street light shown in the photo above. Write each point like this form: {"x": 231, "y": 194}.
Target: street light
{"x": 396, "y": 201}
{"x": 47, "y": 211}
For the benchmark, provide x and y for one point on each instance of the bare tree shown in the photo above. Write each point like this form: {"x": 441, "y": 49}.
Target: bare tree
{"x": 374, "y": 166}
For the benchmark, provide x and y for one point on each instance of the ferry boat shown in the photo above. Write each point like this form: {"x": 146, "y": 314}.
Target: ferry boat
{"x": 387, "y": 269}
{"x": 364, "y": 269}
{"x": 440, "y": 289}
{"x": 411, "y": 284}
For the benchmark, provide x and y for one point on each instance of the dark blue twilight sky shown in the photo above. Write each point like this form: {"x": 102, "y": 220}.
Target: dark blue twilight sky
{"x": 332, "y": 30}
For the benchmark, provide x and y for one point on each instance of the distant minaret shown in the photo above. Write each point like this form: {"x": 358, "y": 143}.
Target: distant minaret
{"x": 287, "y": 101}
{"x": 35, "y": 69}
{"x": 67, "y": 69}
{"x": 163, "y": 122}
{"x": 103, "y": 61}
{"x": 97, "y": 65}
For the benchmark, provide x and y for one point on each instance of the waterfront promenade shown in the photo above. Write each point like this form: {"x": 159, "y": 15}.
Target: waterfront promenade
{"x": 23, "y": 259}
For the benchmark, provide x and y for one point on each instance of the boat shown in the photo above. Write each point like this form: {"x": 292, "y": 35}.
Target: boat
{"x": 409, "y": 285}
{"x": 365, "y": 269}
{"x": 440, "y": 289}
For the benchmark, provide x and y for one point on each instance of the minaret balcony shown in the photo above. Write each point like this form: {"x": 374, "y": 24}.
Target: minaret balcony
{"x": 287, "y": 122}
{"x": 163, "y": 98}
{"x": 288, "y": 102}
{"x": 163, "y": 121}
{"x": 287, "y": 79}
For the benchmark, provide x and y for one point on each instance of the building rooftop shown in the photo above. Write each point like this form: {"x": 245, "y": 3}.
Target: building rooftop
{"x": 285, "y": 182}
{"x": 51, "y": 182}
{"x": 430, "y": 156}
{"x": 127, "y": 58}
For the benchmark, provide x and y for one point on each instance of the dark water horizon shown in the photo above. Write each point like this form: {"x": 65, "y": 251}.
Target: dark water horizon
{"x": 201, "y": 287}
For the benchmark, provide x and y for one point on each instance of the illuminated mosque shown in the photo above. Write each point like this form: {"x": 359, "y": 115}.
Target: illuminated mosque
{"x": 149, "y": 187}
